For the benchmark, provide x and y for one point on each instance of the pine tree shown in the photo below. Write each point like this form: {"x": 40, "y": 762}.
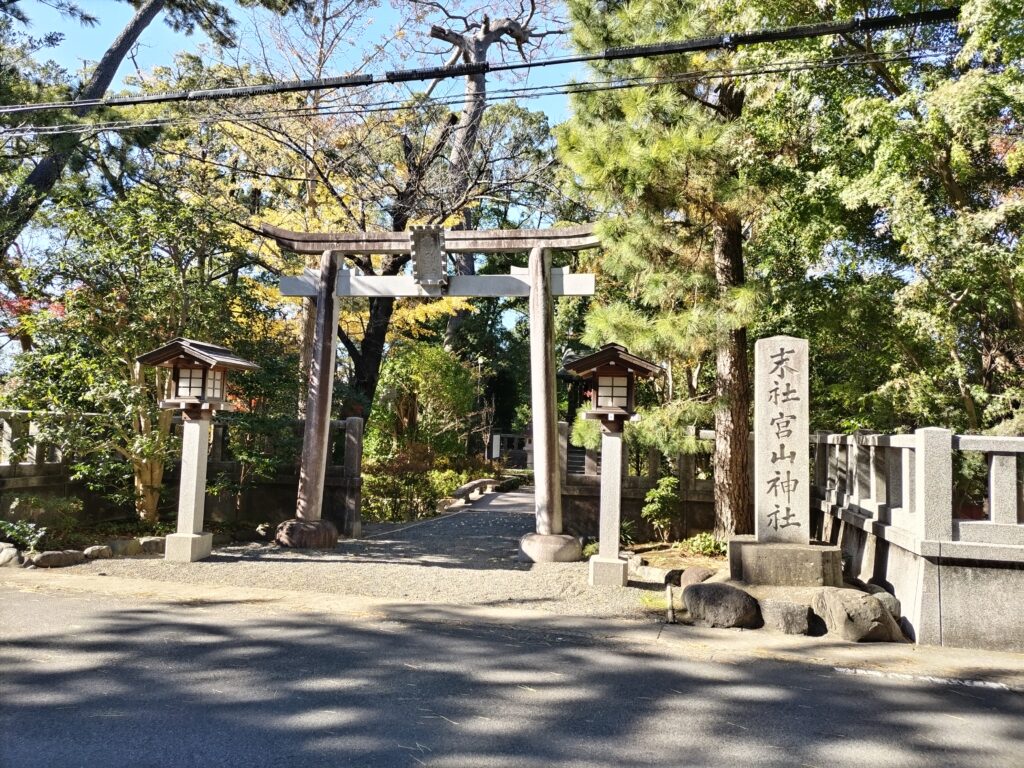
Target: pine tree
{"x": 667, "y": 162}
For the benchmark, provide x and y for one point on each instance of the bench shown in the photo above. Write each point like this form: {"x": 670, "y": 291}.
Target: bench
{"x": 479, "y": 487}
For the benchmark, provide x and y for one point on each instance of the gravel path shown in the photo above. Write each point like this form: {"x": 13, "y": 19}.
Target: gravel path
{"x": 468, "y": 557}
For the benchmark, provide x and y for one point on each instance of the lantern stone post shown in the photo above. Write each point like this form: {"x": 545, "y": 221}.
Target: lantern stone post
{"x": 189, "y": 542}
{"x": 199, "y": 372}
{"x": 612, "y": 374}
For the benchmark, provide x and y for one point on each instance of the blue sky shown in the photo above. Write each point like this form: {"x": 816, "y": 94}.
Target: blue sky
{"x": 159, "y": 44}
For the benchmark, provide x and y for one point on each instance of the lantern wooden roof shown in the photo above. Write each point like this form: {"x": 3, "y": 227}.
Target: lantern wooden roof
{"x": 612, "y": 354}
{"x": 190, "y": 351}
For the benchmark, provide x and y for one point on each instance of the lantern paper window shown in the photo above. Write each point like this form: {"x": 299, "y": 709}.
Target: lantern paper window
{"x": 190, "y": 382}
{"x": 612, "y": 392}
{"x": 215, "y": 385}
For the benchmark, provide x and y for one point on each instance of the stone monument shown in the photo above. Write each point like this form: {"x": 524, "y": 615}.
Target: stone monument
{"x": 781, "y": 552}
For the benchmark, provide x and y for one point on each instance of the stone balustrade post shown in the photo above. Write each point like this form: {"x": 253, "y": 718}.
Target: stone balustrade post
{"x": 933, "y": 484}
{"x": 1002, "y": 488}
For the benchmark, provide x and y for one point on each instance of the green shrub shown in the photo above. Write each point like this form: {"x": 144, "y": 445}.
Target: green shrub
{"x": 21, "y": 533}
{"x": 703, "y": 544}
{"x": 591, "y": 549}
{"x": 662, "y": 504}
{"x": 56, "y": 516}
{"x": 627, "y": 533}
{"x": 445, "y": 482}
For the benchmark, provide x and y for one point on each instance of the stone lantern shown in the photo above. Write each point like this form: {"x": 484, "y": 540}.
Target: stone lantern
{"x": 199, "y": 375}
{"x": 611, "y": 373}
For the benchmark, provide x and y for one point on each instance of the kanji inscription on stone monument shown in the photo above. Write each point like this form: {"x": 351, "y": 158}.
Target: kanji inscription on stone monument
{"x": 781, "y": 441}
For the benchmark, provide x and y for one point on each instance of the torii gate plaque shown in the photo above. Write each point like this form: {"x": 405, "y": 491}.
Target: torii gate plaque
{"x": 427, "y": 246}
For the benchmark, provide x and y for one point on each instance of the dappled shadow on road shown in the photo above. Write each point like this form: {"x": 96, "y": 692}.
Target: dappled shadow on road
{"x": 219, "y": 684}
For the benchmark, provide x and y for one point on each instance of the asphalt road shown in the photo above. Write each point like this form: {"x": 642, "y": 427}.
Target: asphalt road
{"x": 89, "y": 681}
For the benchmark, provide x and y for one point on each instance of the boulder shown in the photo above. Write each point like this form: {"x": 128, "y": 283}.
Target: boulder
{"x": 58, "y": 558}
{"x": 223, "y": 539}
{"x": 784, "y": 616}
{"x": 856, "y": 616}
{"x": 307, "y": 534}
{"x": 695, "y": 575}
{"x": 152, "y": 545}
{"x": 721, "y": 605}
{"x": 7, "y": 545}
{"x": 10, "y": 557}
{"x": 125, "y": 547}
{"x": 890, "y": 601}
{"x": 99, "y": 552}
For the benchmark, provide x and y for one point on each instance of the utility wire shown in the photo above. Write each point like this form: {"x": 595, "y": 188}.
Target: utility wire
{"x": 525, "y": 92}
{"x": 692, "y": 45}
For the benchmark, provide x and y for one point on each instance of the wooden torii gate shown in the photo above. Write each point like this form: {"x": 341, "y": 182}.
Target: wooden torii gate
{"x": 428, "y": 247}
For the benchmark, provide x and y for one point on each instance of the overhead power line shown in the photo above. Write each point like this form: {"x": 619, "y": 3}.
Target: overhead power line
{"x": 506, "y": 94}
{"x": 692, "y": 45}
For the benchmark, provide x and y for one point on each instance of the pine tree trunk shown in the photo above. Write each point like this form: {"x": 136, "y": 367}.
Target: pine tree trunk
{"x": 733, "y": 514}
{"x": 18, "y": 209}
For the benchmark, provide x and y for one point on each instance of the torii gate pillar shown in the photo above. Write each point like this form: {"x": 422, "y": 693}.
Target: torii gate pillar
{"x": 548, "y": 544}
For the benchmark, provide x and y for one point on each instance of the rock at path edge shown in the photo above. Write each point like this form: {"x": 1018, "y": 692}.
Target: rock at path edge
{"x": 721, "y": 605}
{"x": 125, "y": 547}
{"x": 307, "y": 534}
{"x": 58, "y": 558}
{"x": 856, "y": 616}
{"x": 98, "y": 552}
{"x": 10, "y": 557}
{"x": 886, "y": 598}
{"x": 152, "y": 545}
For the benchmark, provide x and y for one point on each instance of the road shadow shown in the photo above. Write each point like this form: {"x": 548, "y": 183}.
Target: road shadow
{"x": 218, "y": 684}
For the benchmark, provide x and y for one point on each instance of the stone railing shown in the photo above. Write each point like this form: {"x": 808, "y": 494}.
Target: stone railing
{"x": 887, "y": 500}
{"x": 900, "y": 488}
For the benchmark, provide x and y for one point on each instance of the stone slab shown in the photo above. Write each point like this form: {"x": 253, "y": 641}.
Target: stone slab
{"x": 789, "y": 618}
{"x": 734, "y": 547}
{"x": 608, "y": 572}
{"x": 550, "y": 548}
{"x": 188, "y": 547}
{"x": 797, "y": 565}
